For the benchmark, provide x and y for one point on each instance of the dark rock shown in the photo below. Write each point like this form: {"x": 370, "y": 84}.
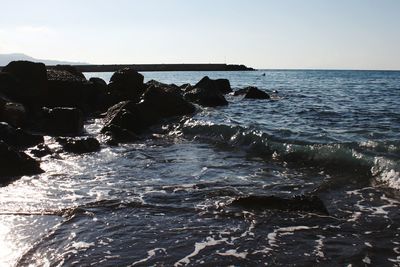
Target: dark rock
{"x": 32, "y": 80}
{"x": 63, "y": 121}
{"x": 206, "y": 97}
{"x": 69, "y": 90}
{"x": 79, "y": 145}
{"x": 127, "y": 84}
{"x": 221, "y": 85}
{"x": 17, "y": 137}
{"x": 98, "y": 81}
{"x": 186, "y": 87}
{"x": 166, "y": 102}
{"x": 9, "y": 86}
{"x": 41, "y": 150}
{"x": 14, "y": 163}
{"x": 119, "y": 135}
{"x": 312, "y": 204}
{"x": 255, "y": 93}
{"x": 71, "y": 69}
{"x": 13, "y": 113}
{"x": 158, "y": 103}
{"x": 242, "y": 91}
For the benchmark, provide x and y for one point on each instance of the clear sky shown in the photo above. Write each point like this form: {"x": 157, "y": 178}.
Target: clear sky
{"x": 343, "y": 34}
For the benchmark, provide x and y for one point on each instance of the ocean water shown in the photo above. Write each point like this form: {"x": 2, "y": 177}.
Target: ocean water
{"x": 166, "y": 200}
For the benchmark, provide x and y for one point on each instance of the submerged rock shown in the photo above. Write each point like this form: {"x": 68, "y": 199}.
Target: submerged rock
{"x": 63, "y": 121}
{"x": 255, "y": 93}
{"x": 79, "y": 145}
{"x": 301, "y": 203}
{"x": 14, "y": 163}
{"x": 41, "y": 150}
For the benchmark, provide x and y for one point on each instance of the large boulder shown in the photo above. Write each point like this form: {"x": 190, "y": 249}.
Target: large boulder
{"x": 71, "y": 69}
{"x": 221, "y": 85}
{"x": 14, "y": 163}
{"x": 127, "y": 84}
{"x": 79, "y": 145}
{"x": 206, "y": 97}
{"x": 31, "y": 82}
{"x": 67, "y": 88}
{"x": 158, "y": 103}
{"x": 17, "y": 137}
{"x": 63, "y": 121}
{"x": 255, "y": 93}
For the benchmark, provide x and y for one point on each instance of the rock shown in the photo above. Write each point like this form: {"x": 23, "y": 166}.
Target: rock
{"x": 206, "y": 97}
{"x": 70, "y": 69}
{"x": 13, "y": 113}
{"x": 303, "y": 203}
{"x": 127, "y": 84}
{"x": 9, "y": 86}
{"x": 242, "y": 91}
{"x": 186, "y": 87}
{"x": 119, "y": 135}
{"x": 69, "y": 90}
{"x": 32, "y": 80}
{"x": 158, "y": 103}
{"x": 166, "y": 102}
{"x": 221, "y": 85}
{"x": 79, "y": 145}
{"x": 18, "y": 138}
{"x": 41, "y": 150}
{"x": 63, "y": 121}
{"x": 14, "y": 163}
{"x": 255, "y": 93}
{"x": 98, "y": 81}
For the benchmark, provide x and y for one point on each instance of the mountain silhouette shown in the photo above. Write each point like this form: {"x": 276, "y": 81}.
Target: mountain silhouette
{"x": 7, "y": 58}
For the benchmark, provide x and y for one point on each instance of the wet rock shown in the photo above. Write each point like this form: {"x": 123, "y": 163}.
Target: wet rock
{"x": 79, "y": 145}
{"x": 303, "y": 203}
{"x": 18, "y": 138}
{"x": 255, "y": 93}
{"x": 206, "y": 97}
{"x": 127, "y": 84}
{"x": 158, "y": 103}
{"x": 186, "y": 87}
{"x": 63, "y": 121}
{"x": 41, "y": 150}
{"x": 14, "y": 163}
{"x": 119, "y": 135}
{"x": 242, "y": 91}
{"x": 221, "y": 85}
{"x": 32, "y": 82}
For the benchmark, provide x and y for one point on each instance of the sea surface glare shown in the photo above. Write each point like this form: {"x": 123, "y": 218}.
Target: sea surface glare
{"x": 167, "y": 200}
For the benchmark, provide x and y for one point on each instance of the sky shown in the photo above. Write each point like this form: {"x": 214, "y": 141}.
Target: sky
{"x": 270, "y": 34}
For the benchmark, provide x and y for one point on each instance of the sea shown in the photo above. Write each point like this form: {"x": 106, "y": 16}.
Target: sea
{"x": 168, "y": 198}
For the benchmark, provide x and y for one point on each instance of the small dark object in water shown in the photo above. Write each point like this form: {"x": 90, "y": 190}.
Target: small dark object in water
{"x": 301, "y": 203}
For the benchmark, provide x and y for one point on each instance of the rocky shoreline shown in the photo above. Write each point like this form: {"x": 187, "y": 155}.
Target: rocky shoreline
{"x": 36, "y": 101}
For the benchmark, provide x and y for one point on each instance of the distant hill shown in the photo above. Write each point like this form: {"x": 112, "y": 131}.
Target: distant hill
{"x": 7, "y": 58}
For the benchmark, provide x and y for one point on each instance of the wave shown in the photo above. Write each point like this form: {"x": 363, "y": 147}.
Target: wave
{"x": 371, "y": 161}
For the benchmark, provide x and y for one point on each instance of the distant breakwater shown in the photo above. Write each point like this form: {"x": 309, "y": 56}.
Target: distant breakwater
{"x": 160, "y": 67}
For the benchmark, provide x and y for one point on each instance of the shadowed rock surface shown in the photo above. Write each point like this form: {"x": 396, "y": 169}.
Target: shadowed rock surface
{"x": 79, "y": 145}
{"x": 18, "y": 137}
{"x": 14, "y": 163}
{"x": 255, "y": 93}
{"x": 63, "y": 121}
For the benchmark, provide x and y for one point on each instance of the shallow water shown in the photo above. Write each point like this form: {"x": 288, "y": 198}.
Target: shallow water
{"x": 166, "y": 200}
